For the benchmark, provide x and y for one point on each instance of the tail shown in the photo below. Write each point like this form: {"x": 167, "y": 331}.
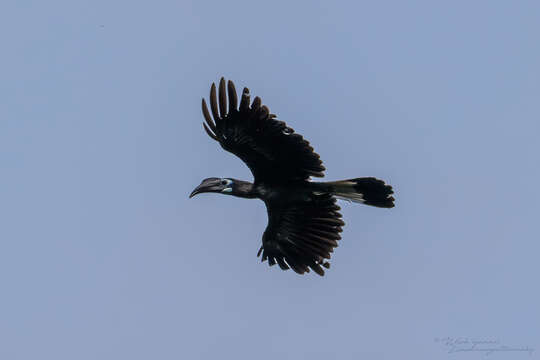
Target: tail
{"x": 368, "y": 190}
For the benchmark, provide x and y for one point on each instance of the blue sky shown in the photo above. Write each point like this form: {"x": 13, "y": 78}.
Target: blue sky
{"x": 102, "y": 254}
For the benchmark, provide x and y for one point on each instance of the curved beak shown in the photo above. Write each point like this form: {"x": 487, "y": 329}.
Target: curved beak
{"x": 195, "y": 192}
{"x": 207, "y": 185}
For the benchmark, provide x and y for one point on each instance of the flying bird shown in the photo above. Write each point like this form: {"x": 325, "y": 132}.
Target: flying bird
{"x": 304, "y": 222}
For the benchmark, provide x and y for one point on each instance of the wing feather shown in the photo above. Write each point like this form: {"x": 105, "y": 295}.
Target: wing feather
{"x": 256, "y": 104}
{"x": 222, "y": 98}
{"x": 211, "y": 134}
{"x": 244, "y": 101}
{"x": 207, "y": 117}
{"x": 213, "y": 104}
{"x": 233, "y": 98}
{"x": 272, "y": 150}
{"x": 293, "y": 234}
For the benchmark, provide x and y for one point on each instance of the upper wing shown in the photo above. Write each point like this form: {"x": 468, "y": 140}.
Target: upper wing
{"x": 302, "y": 235}
{"x": 271, "y": 149}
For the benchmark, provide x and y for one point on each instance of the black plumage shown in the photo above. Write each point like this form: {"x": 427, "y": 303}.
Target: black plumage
{"x": 304, "y": 222}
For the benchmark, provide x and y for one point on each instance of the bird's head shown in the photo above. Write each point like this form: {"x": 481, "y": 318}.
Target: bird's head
{"x": 216, "y": 185}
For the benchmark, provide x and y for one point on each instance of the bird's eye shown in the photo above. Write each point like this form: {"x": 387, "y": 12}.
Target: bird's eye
{"x": 224, "y": 182}
{"x": 287, "y": 131}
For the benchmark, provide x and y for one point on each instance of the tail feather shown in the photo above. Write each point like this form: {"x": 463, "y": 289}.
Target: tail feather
{"x": 368, "y": 190}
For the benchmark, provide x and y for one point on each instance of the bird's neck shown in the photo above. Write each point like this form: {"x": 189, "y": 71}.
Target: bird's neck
{"x": 244, "y": 189}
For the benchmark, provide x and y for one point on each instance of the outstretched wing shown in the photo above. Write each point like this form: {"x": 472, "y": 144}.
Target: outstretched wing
{"x": 302, "y": 236}
{"x": 271, "y": 149}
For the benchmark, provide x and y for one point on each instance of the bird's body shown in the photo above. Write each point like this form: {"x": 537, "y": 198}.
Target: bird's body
{"x": 303, "y": 219}
{"x": 283, "y": 195}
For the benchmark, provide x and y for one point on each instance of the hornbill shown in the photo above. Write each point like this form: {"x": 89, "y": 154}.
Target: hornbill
{"x": 303, "y": 219}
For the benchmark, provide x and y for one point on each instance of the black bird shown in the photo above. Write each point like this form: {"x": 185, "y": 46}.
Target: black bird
{"x": 303, "y": 219}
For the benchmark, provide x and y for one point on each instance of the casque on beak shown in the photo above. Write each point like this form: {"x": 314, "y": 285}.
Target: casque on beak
{"x": 207, "y": 185}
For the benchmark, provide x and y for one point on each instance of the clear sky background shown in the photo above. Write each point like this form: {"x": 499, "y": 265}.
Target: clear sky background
{"x": 103, "y": 256}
